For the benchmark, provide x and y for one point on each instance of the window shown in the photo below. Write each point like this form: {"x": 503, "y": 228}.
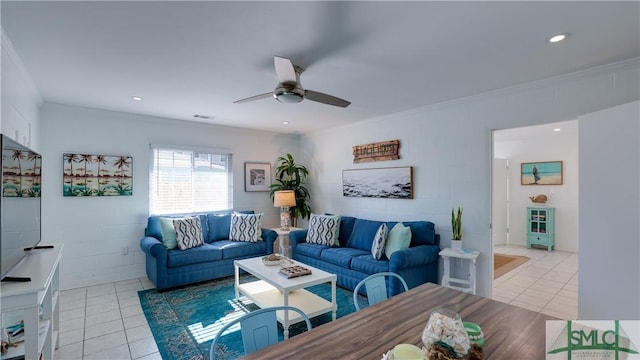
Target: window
{"x": 186, "y": 181}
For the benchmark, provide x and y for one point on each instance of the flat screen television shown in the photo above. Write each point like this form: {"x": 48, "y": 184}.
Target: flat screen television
{"x": 20, "y": 203}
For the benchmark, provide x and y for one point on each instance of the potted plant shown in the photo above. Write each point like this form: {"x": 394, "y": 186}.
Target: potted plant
{"x": 292, "y": 176}
{"x": 456, "y": 226}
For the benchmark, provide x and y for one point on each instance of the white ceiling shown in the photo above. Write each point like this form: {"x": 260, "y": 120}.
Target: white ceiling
{"x": 189, "y": 58}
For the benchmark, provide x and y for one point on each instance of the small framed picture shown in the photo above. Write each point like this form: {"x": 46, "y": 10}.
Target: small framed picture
{"x": 257, "y": 176}
{"x": 541, "y": 173}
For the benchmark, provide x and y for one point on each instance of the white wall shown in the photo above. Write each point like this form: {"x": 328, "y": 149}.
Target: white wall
{"x": 94, "y": 229}
{"x": 20, "y": 99}
{"x": 609, "y": 266}
{"x": 551, "y": 146}
{"x": 449, "y": 146}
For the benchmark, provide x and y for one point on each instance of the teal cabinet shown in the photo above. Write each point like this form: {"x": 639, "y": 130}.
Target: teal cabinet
{"x": 541, "y": 227}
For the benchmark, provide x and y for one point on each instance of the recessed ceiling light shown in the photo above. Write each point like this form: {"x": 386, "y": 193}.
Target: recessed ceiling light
{"x": 557, "y": 38}
{"x": 285, "y": 123}
{"x": 556, "y": 129}
{"x": 136, "y": 98}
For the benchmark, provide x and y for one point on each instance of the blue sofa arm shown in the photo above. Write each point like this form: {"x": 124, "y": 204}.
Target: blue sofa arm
{"x": 295, "y": 237}
{"x": 417, "y": 265}
{"x": 413, "y": 256}
{"x": 154, "y": 247}
{"x": 269, "y": 236}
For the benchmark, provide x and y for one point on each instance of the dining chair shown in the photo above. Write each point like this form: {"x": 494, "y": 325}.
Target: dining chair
{"x": 259, "y": 328}
{"x": 376, "y": 287}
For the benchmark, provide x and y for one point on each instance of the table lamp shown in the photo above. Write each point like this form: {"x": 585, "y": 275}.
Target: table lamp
{"x": 284, "y": 199}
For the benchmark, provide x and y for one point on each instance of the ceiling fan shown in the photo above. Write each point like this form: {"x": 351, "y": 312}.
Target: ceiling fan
{"x": 289, "y": 89}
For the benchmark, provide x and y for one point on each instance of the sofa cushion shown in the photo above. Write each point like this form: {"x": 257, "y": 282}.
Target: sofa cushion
{"x": 310, "y": 250}
{"x": 363, "y": 233}
{"x": 245, "y": 227}
{"x": 188, "y": 232}
{"x": 399, "y": 238}
{"x": 219, "y": 226}
{"x": 379, "y": 241}
{"x": 422, "y": 232}
{"x": 323, "y": 229}
{"x": 342, "y": 256}
{"x": 368, "y": 265}
{"x": 346, "y": 227}
{"x": 200, "y": 254}
{"x": 169, "y": 237}
{"x": 239, "y": 249}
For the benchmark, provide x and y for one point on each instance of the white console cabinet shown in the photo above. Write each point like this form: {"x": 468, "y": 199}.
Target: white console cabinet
{"x": 38, "y": 300}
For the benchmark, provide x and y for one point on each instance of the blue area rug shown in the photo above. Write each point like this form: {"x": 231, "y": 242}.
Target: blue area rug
{"x": 184, "y": 321}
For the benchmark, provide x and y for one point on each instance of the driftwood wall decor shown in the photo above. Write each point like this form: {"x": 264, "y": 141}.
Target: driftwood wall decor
{"x": 384, "y": 150}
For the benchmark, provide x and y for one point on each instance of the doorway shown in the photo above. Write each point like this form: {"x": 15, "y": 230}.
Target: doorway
{"x": 547, "y": 281}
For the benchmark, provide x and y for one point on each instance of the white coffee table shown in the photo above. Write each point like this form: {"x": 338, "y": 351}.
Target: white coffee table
{"x": 273, "y": 289}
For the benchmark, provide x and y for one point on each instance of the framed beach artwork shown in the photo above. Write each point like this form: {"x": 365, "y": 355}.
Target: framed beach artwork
{"x": 97, "y": 175}
{"x": 541, "y": 173}
{"x": 389, "y": 183}
{"x": 21, "y": 173}
{"x": 257, "y": 176}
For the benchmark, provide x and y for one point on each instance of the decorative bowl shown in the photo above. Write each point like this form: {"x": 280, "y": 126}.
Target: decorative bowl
{"x": 266, "y": 261}
{"x": 407, "y": 352}
{"x": 475, "y": 332}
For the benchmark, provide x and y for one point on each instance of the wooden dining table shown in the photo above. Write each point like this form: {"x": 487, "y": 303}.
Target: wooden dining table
{"x": 510, "y": 332}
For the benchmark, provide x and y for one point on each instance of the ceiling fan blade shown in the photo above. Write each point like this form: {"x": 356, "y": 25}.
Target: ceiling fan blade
{"x": 285, "y": 70}
{"x": 253, "y": 98}
{"x": 325, "y": 98}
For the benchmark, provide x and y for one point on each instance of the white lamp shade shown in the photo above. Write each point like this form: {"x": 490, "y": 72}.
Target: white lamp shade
{"x": 284, "y": 198}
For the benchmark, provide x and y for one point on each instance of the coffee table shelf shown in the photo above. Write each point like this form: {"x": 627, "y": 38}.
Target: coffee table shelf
{"x": 273, "y": 289}
{"x": 265, "y": 295}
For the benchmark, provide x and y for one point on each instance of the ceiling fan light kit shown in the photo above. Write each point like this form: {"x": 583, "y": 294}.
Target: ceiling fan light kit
{"x": 289, "y": 89}
{"x": 288, "y": 94}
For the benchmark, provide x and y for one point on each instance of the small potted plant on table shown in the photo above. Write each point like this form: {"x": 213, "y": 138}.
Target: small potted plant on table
{"x": 456, "y": 226}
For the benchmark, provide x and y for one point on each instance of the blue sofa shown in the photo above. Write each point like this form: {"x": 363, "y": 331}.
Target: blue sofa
{"x": 417, "y": 264}
{"x": 175, "y": 267}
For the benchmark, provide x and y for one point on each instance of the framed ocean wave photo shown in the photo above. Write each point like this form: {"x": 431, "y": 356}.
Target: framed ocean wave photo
{"x": 389, "y": 183}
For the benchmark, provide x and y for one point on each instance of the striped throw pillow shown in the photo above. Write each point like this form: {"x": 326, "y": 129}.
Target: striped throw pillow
{"x": 188, "y": 232}
{"x": 323, "y": 229}
{"x": 246, "y": 227}
{"x": 379, "y": 241}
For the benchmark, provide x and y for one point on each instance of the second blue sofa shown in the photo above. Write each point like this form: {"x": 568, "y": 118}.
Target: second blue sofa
{"x": 352, "y": 261}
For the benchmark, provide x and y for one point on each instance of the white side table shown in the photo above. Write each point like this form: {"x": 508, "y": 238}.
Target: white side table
{"x": 467, "y": 285}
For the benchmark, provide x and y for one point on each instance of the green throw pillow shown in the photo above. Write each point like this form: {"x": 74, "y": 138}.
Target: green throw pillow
{"x": 399, "y": 238}
{"x": 169, "y": 238}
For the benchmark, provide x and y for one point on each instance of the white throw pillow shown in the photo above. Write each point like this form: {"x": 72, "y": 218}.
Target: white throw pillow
{"x": 188, "y": 232}
{"x": 323, "y": 229}
{"x": 246, "y": 227}
{"x": 379, "y": 241}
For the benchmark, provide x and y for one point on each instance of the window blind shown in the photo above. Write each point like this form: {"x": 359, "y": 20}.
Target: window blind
{"x": 186, "y": 181}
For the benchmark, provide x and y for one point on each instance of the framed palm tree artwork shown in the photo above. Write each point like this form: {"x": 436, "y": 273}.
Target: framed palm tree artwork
{"x": 21, "y": 173}
{"x": 97, "y": 175}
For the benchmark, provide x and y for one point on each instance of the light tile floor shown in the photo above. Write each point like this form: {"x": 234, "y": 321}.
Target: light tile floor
{"x": 106, "y": 321}
{"x": 548, "y": 283}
